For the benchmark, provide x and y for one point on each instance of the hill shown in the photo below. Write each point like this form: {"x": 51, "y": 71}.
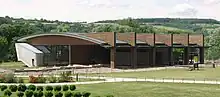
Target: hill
{"x": 14, "y": 28}
{"x": 191, "y": 24}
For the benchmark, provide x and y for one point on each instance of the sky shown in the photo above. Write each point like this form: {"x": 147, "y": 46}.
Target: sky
{"x": 94, "y": 10}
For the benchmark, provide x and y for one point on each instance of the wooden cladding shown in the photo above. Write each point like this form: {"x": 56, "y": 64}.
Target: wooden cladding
{"x": 148, "y": 38}
{"x": 181, "y": 39}
{"x": 170, "y": 39}
{"x": 164, "y": 39}
{"x": 111, "y": 37}
{"x": 130, "y": 38}
{"x": 108, "y": 37}
{"x": 196, "y": 39}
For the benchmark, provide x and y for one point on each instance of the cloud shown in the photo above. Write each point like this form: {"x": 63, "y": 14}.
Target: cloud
{"x": 211, "y": 2}
{"x": 185, "y": 10}
{"x": 93, "y": 10}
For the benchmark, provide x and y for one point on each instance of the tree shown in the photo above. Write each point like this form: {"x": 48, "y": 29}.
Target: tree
{"x": 213, "y": 40}
{"x": 129, "y": 22}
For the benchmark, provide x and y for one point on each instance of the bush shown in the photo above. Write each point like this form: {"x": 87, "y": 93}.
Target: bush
{"x": 13, "y": 88}
{"x": 20, "y": 80}
{"x": 77, "y": 94}
{"x": 38, "y": 94}
{"x": 20, "y": 94}
{"x": 109, "y": 96}
{"x": 57, "y": 88}
{"x": 48, "y": 94}
{"x": 52, "y": 79}
{"x": 72, "y": 87}
{"x": 22, "y": 88}
{"x": 40, "y": 88}
{"x": 65, "y": 88}
{"x": 3, "y": 87}
{"x": 41, "y": 79}
{"x": 7, "y": 93}
{"x": 32, "y": 87}
{"x": 58, "y": 94}
{"x": 49, "y": 88}
{"x": 65, "y": 76}
{"x": 68, "y": 94}
{"x": 32, "y": 79}
{"x": 86, "y": 94}
{"x": 9, "y": 78}
{"x": 28, "y": 93}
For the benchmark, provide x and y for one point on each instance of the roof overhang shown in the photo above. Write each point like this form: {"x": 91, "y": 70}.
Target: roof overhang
{"x": 74, "y": 35}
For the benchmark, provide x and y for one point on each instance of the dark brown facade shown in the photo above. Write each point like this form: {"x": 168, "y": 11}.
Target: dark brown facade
{"x": 117, "y": 50}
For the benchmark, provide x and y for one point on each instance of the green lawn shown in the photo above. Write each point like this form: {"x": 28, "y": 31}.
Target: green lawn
{"x": 144, "y": 89}
{"x": 207, "y": 73}
{"x": 12, "y": 65}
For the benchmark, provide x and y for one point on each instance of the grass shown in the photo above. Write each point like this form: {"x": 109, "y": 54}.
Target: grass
{"x": 146, "y": 89}
{"x": 12, "y": 65}
{"x": 203, "y": 73}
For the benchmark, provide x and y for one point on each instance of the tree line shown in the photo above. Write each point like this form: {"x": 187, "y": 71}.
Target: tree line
{"x": 12, "y": 29}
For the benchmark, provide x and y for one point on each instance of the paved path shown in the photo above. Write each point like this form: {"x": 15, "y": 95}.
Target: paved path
{"x": 110, "y": 79}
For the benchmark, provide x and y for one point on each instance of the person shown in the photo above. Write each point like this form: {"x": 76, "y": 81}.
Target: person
{"x": 213, "y": 63}
{"x": 195, "y": 63}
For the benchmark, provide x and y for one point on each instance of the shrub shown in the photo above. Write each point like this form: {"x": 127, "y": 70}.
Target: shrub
{"x": 49, "y": 88}
{"x": 68, "y": 94}
{"x": 109, "y": 96}
{"x": 65, "y": 88}
{"x": 65, "y": 76}
{"x": 57, "y": 88}
{"x": 3, "y": 87}
{"x": 20, "y": 80}
{"x": 32, "y": 79}
{"x": 38, "y": 94}
{"x": 20, "y": 94}
{"x": 13, "y": 88}
{"x": 77, "y": 94}
{"x": 40, "y": 88}
{"x": 7, "y": 93}
{"x": 86, "y": 94}
{"x": 28, "y": 93}
{"x": 52, "y": 79}
{"x": 72, "y": 87}
{"x": 22, "y": 87}
{"x": 48, "y": 94}
{"x": 32, "y": 87}
{"x": 58, "y": 94}
{"x": 40, "y": 79}
{"x": 9, "y": 78}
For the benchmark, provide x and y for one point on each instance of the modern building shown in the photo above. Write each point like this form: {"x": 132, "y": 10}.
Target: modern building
{"x": 111, "y": 49}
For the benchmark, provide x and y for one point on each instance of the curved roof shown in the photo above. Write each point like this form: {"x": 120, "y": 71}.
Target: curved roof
{"x": 74, "y": 35}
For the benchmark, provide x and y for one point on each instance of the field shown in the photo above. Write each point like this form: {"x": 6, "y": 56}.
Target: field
{"x": 203, "y": 73}
{"x": 143, "y": 89}
{"x": 12, "y": 65}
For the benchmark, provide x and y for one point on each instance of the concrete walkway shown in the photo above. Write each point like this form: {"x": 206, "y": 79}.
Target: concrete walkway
{"x": 110, "y": 79}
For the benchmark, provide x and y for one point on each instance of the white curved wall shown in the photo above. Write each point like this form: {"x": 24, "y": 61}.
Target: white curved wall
{"x": 29, "y": 55}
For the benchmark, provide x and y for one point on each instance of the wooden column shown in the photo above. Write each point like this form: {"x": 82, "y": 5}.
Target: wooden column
{"x": 170, "y": 56}
{"x": 154, "y": 56}
{"x": 186, "y": 56}
{"x": 70, "y": 55}
{"x": 201, "y": 55}
{"x": 134, "y": 57}
{"x": 112, "y": 57}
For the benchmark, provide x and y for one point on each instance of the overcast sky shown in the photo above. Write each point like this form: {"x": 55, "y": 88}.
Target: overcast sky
{"x": 93, "y": 10}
